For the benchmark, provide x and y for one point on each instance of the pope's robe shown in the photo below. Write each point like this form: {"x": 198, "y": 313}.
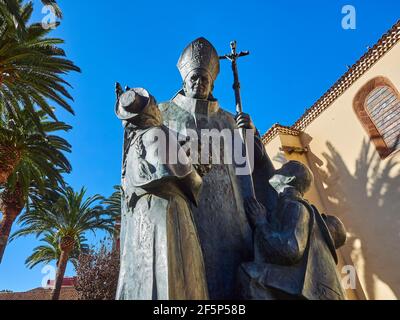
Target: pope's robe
{"x": 225, "y": 235}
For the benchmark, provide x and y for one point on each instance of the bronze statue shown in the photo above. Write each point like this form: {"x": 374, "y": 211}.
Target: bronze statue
{"x": 295, "y": 245}
{"x": 161, "y": 256}
{"x": 218, "y": 208}
{"x": 225, "y": 235}
{"x": 189, "y": 228}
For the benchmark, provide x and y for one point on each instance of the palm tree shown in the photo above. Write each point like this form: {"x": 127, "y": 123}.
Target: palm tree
{"x": 11, "y": 7}
{"x": 69, "y": 217}
{"x": 113, "y": 203}
{"x": 54, "y": 4}
{"x": 31, "y": 160}
{"x": 31, "y": 64}
{"x": 32, "y": 149}
{"x": 50, "y": 251}
{"x": 113, "y": 208}
{"x": 11, "y": 206}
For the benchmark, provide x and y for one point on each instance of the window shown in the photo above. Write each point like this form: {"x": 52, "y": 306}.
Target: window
{"x": 377, "y": 105}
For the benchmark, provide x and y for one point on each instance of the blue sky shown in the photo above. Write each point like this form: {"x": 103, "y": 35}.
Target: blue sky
{"x": 298, "y": 50}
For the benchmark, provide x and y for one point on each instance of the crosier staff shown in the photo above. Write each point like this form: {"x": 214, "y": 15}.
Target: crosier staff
{"x": 233, "y": 57}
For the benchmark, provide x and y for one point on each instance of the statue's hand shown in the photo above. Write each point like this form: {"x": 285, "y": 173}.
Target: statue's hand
{"x": 255, "y": 211}
{"x": 243, "y": 121}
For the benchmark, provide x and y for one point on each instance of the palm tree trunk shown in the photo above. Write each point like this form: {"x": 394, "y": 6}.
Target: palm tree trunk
{"x": 6, "y": 224}
{"x": 62, "y": 265}
{"x": 11, "y": 205}
{"x": 117, "y": 231}
{"x": 9, "y": 159}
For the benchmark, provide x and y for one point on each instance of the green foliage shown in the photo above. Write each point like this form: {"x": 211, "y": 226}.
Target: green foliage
{"x": 113, "y": 203}
{"x": 31, "y": 63}
{"x": 42, "y": 158}
{"x": 70, "y": 215}
{"x": 12, "y": 8}
{"x": 50, "y": 251}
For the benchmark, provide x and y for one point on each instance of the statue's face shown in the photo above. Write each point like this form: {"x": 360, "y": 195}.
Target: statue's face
{"x": 198, "y": 84}
{"x": 293, "y": 174}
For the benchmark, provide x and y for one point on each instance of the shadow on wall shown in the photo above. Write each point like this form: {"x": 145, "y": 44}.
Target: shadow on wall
{"x": 368, "y": 202}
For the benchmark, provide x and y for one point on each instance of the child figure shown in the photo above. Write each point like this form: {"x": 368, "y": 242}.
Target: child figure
{"x": 295, "y": 246}
{"x": 161, "y": 257}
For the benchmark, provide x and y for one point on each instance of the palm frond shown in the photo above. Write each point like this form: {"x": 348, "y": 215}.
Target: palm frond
{"x": 31, "y": 63}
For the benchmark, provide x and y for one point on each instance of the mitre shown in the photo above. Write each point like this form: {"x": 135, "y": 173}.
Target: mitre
{"x": 199, "y": 54}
